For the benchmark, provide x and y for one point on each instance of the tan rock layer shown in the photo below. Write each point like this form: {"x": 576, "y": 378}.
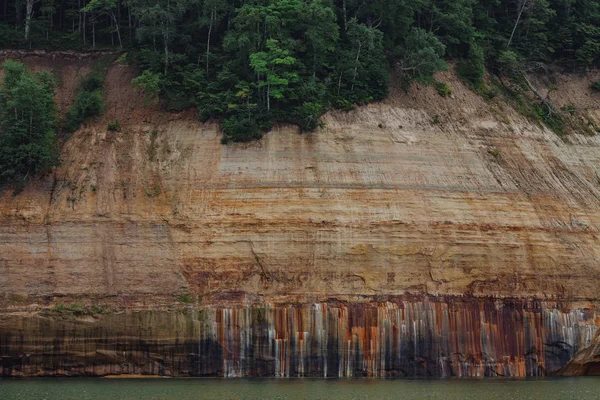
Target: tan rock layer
{"x": 332, "y": 213}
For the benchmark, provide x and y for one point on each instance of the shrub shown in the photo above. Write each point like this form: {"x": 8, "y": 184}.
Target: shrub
{"x": 154, "y": 191}
{"x": 88, "y": 102}
{"x": 185, "y": 298}
{"x": 472, "y": 69}
{"x": 570, "y": 108}
{"x": 553, "y": 120}
{"x": 494, "y": 152}
{"x": 422, "y": 55}
{"x": 508, "y": 62}
{"x": 344, "y": 105}
{"x": 92, "y": 81}
{"x": 76, "y": 309}
{"x": 240, "y": 129}
{"x": 596, "y": 86}
{"x": 149, "y": 82}
{"x": 593, "y": 126}
{"x": 488, "y": 92}
{"x": 308, "y": 116}
{"x": 122, "y": 59}
{"x": 443, "y": 88}
{"x": 87, "y": 105}
{"x": 114, "y": 126}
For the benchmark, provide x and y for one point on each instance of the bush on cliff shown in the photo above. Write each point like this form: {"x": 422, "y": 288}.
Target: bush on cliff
{"x": 28, "y": 143}
{"x": 88, "y": 102}
{"x": 472, "y": 68}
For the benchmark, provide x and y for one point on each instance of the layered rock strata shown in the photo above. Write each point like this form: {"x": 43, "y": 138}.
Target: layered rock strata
{"x": 339, "y": 235}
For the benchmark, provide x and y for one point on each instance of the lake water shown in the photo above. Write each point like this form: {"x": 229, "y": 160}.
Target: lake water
{"x": 347, "y": 389}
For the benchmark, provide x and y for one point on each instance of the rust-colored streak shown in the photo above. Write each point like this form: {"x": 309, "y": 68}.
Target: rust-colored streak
{"x": 404, "y": 337}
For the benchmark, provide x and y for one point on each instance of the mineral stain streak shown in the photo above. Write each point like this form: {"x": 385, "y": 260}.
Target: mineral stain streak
{"x": 402, "y": 337}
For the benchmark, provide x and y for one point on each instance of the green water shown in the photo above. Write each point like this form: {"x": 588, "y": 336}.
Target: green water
{"x": 347, "y": 389}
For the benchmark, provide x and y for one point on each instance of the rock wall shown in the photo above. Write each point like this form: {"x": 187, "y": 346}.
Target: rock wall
{"x": 403, "y": 337}
{"x": 586, "y": 361}
{"x": 415, "y": 196}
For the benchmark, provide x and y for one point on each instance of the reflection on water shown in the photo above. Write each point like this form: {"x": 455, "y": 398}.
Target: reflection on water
{"x": 183, "y": 389}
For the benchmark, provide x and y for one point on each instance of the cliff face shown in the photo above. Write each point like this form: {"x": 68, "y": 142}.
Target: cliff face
{"x": 458, "y": 203}
{"x": 401, "y": 337}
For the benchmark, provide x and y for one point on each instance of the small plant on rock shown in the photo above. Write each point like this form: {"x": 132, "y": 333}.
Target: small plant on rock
{"x": 443, "y": 88}
{"x": 114, "y": 126}
{"x": 569, "y": 108}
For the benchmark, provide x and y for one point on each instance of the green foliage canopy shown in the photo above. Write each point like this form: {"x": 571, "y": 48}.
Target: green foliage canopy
{"x": 27, "y": 123}
{"x": 253, "y": 63}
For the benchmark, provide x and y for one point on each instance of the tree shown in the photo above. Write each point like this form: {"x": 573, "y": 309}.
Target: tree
{"x": 362, "y": 64}
{"x": 472, "y": 69}
{"x": 105, "y": 7}
{"x": 47, "y": 10}
{"x": 522, "y": 6}
{"x": 159, "y": 16}
{"x": 272, "y": 69}
{"x": 422, "y": 55}
{"x": 27, "y": 123}
{"x": 451, "y": 21}
{"x": 534, "y": 38}
{"x": 29, "y": 15}
{"x": 216, "y": 10}
{"x": 321, "y": 32}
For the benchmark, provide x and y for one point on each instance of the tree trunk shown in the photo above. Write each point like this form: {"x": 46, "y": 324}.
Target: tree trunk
{"x": 114, "y": 20}
{"x": 314, "y": 63}
{"x": 27, "y": 23}
{"x": 517, "y": 22}
{"x": 212, "y": 19}
{"x": 84, "y": 41}
{"x": 356, "y": 66}
{"x": 129, "y": 22}
{"x": 154, "y": 37}
{"x": 268, "y": 97}
{"x": 166, "y": 44}
{"x": 165, "y": 32}
{"x": 28, "y": 15}
{"x": 543, "y": 99}
{"x": 17, "y": 14}
{"x": 345, "y": 17}
{"x": 119, "y": 35}
{"x": 166, "y": 57}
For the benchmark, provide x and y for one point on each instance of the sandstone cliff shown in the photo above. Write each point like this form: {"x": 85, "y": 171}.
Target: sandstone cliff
{"x": 419, "y": 202}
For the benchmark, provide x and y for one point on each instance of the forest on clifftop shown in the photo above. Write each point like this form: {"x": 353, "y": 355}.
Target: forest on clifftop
{"x": 250, "y": 64}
